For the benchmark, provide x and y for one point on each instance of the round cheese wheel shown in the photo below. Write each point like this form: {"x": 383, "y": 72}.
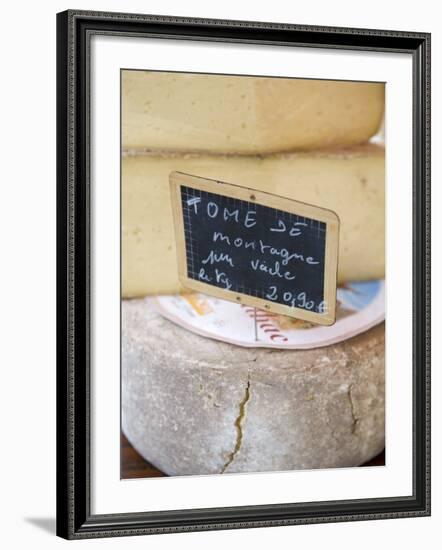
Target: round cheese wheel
{"x": 192, "y": 405}
{"x": 223, "y": 113}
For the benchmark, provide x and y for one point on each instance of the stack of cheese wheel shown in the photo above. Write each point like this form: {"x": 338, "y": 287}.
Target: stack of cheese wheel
{"x": 191, "y": 405}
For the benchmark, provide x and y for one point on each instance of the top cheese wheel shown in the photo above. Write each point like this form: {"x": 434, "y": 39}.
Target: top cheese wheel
{"x": 244, "y": 114}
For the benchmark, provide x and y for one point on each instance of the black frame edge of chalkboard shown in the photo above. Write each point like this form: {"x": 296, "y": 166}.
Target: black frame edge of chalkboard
{"x": 74, "y": 518}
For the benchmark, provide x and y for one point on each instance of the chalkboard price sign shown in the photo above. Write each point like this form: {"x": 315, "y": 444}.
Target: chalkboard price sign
{"x": 256, "y": 248}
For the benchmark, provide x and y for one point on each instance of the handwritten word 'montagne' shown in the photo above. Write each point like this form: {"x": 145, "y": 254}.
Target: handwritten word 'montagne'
{"x": 259, "y": 245}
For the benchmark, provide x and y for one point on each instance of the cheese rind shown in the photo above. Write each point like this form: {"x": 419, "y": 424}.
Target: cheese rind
{"x": 224, "y": 114}
{"x": 351, "y": 183}
{"x": 192, "y": 405}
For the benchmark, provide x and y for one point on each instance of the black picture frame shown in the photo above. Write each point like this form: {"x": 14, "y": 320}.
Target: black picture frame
{"x": 74, "y": 518}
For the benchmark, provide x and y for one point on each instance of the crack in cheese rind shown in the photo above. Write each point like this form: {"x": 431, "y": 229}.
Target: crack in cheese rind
{"x": 225, "y": 114}
{"x": 187, "y": 408}
{"x": 349, "y": 182}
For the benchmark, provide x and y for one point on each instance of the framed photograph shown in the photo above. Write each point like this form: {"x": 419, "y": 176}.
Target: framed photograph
{"x": 243, "y": 274}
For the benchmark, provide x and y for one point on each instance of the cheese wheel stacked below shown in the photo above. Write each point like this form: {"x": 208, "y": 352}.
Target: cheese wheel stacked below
{"x": 192, "y": 405}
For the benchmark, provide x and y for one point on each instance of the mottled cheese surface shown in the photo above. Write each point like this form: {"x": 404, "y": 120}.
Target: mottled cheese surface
{"x": 192, "y": 405}
{"x": 225, "y": 114}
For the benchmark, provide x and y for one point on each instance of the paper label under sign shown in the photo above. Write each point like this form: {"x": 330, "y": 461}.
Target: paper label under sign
{"x": 361, "y": 305}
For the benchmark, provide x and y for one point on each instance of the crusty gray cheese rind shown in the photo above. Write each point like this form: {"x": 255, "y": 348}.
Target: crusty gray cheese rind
{"x": 192, "y": 405}
{"x": 231, "y": 114}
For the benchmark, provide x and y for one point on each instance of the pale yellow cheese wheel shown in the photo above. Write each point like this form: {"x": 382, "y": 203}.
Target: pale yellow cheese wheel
{"x": 350, "y": 182}
{"x": 223, "y": 114}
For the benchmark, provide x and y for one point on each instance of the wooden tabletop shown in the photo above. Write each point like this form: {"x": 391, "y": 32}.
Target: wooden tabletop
{"x": 134, "y": 466}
